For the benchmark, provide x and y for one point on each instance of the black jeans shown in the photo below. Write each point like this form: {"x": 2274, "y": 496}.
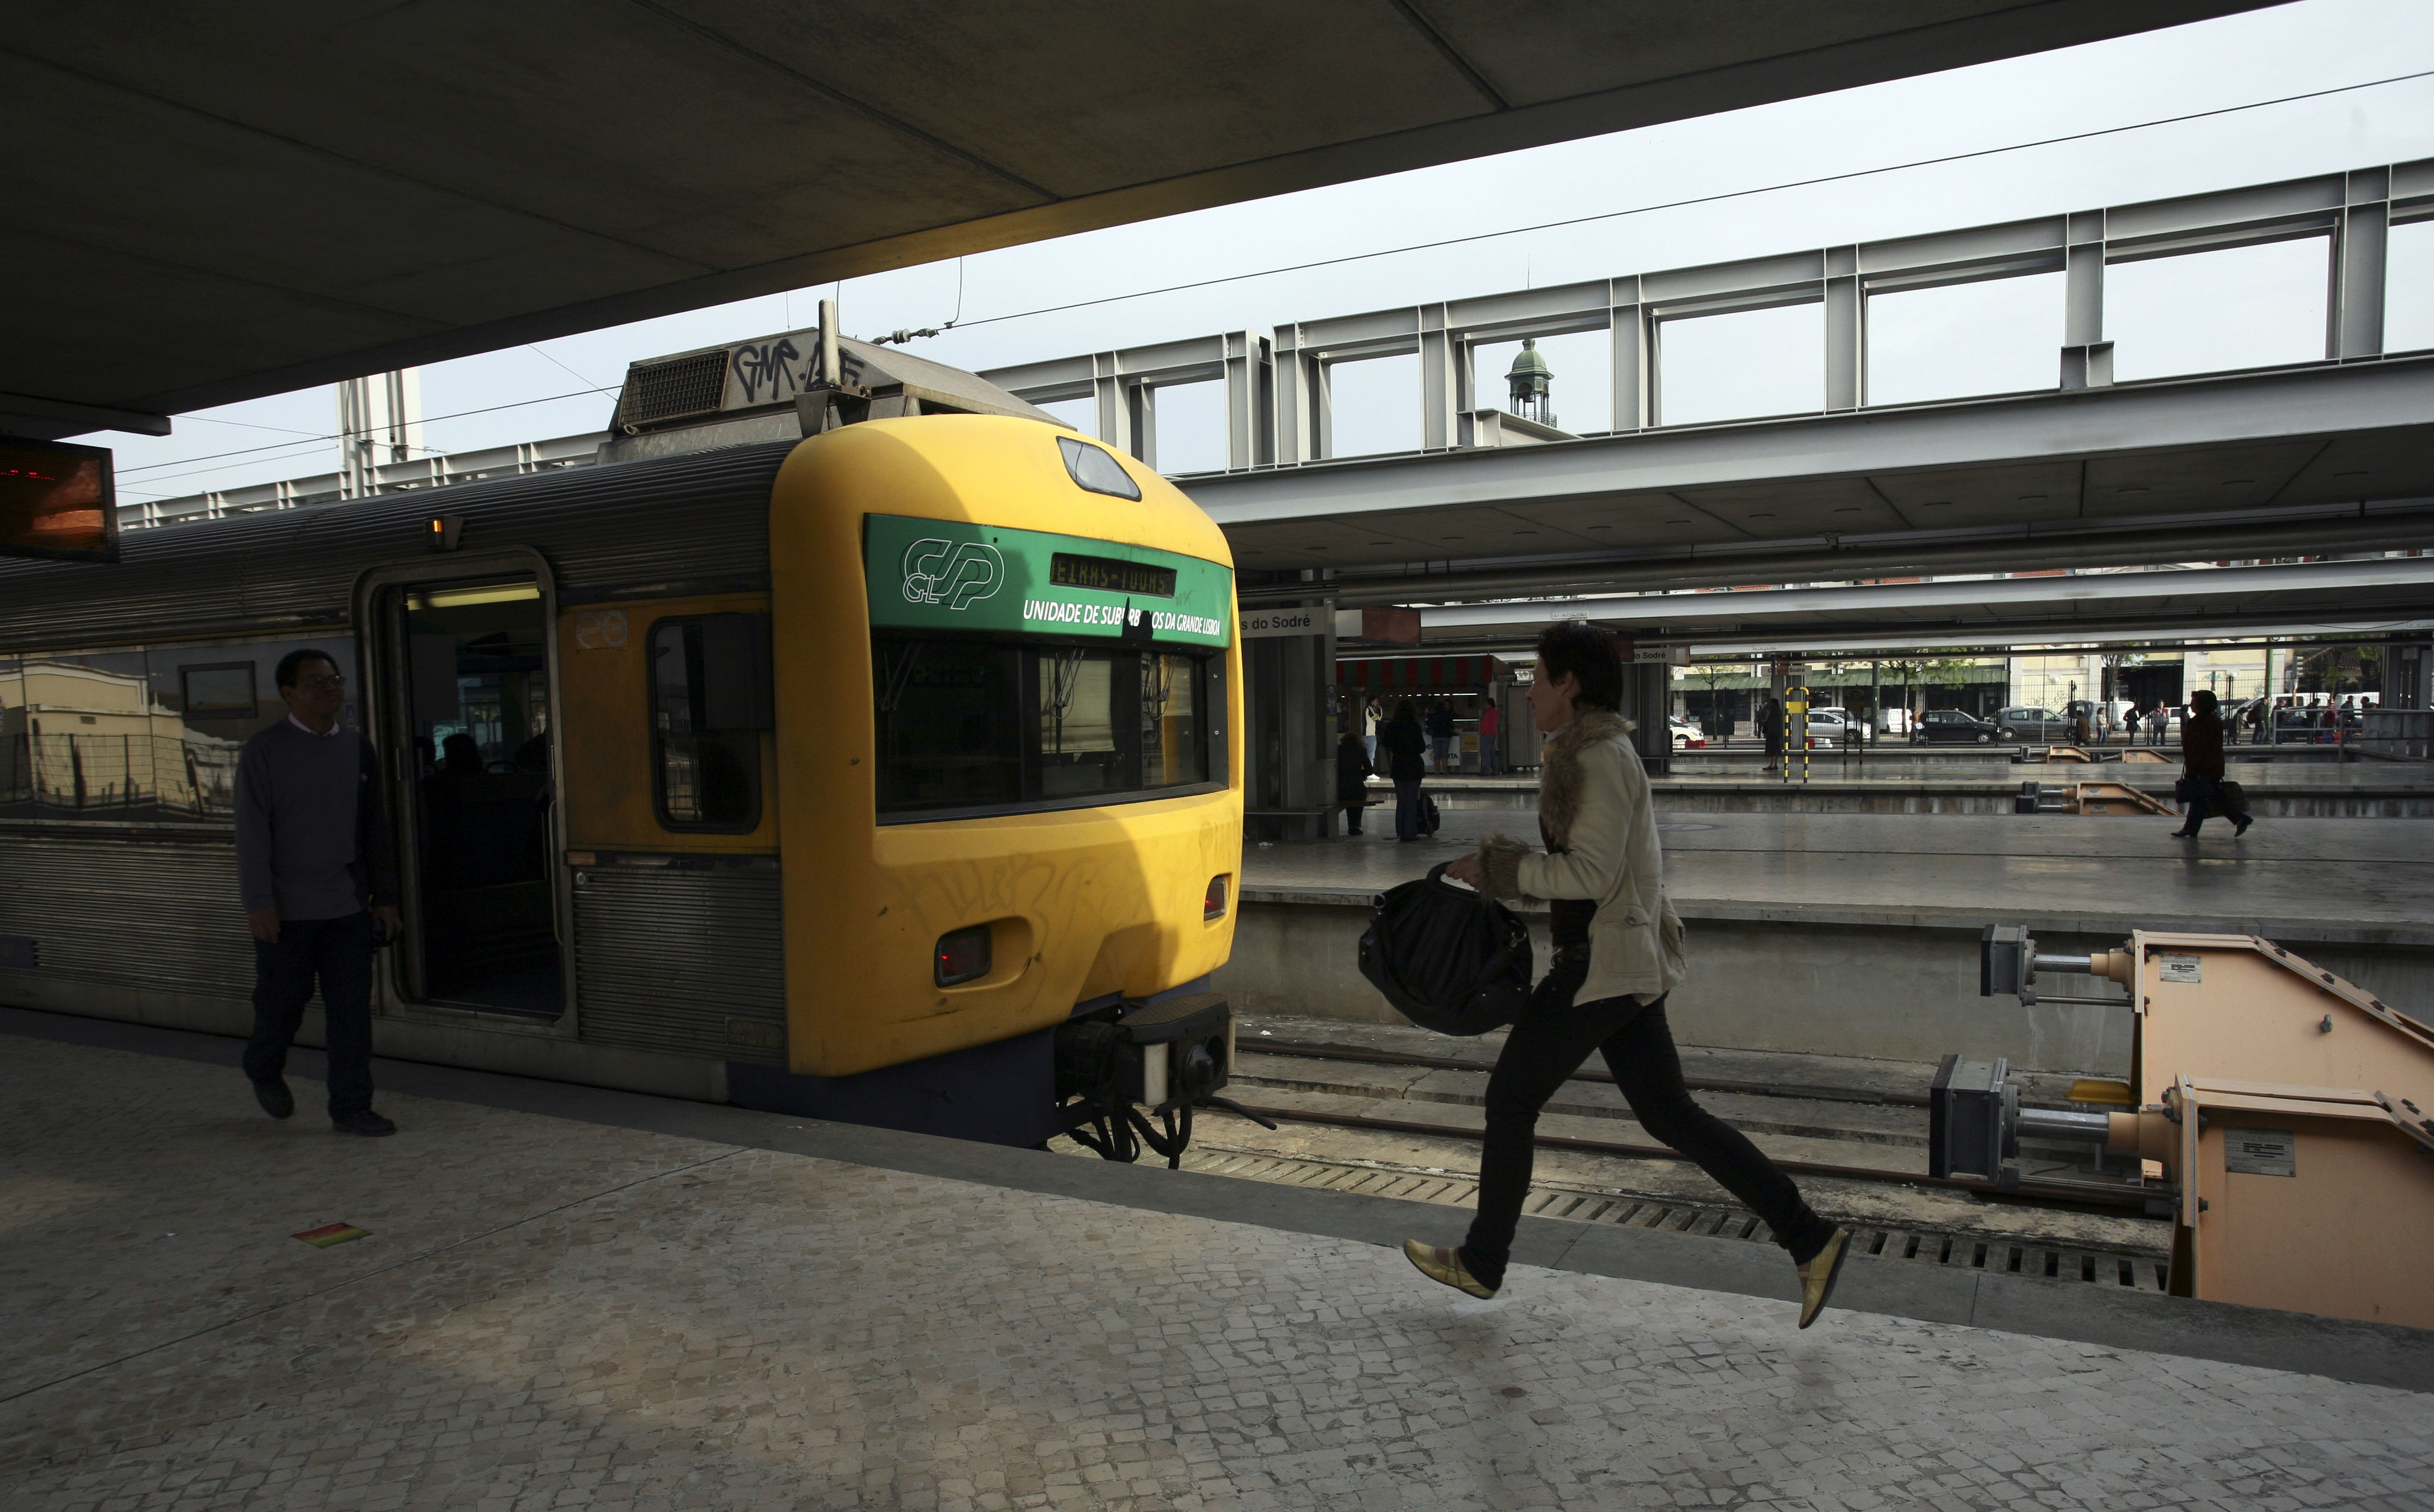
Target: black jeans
{"x": 1554, "y": 1036}
{"x": 337, "y": 952}
{"x": 1406, "y": 808}
{"x": 2206, "y": 796}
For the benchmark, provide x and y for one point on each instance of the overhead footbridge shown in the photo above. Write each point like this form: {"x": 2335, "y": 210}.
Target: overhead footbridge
{"x": 2334, "y": 453}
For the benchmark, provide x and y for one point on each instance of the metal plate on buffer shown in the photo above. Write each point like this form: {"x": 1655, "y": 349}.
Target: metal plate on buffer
{"x": 2261, "y": 1151}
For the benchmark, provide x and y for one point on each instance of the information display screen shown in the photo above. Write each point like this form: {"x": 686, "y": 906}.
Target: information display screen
{"x": 1110, "y": 575}
{"x": 56, "y": 500}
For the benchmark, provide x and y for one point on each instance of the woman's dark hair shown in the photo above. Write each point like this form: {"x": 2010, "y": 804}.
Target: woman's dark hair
{"x": 1588, "y": 655}
{"x": 1407, "y": 712}
{"x": 2203, "y": 700}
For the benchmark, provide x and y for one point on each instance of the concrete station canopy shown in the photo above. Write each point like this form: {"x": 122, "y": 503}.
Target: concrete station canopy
{"x": 214, "y": 203}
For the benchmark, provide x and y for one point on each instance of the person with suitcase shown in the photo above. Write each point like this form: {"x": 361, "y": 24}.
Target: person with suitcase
{"x": 2201, "y": 785}
{"x": 1618, "y": 950}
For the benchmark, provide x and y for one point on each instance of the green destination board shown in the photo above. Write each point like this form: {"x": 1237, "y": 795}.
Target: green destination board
{"x": 943, "y": 574}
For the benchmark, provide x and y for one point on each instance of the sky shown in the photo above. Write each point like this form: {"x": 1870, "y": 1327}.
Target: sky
{"x": 2166, "y": 316}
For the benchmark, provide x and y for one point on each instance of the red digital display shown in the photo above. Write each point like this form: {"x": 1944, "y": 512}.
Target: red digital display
{"x": 56, "y": 500}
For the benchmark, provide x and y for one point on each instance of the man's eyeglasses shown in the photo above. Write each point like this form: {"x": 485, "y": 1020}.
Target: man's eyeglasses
{"x": 319, "y": 684}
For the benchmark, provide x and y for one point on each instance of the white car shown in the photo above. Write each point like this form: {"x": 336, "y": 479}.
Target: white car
{"x": 1831, "y": 727}
{"x": 1686, "y": 736}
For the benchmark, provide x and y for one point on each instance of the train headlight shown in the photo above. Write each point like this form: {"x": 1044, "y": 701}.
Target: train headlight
{"x": 963, "y": 955}
{"x": 1213, "y": 905}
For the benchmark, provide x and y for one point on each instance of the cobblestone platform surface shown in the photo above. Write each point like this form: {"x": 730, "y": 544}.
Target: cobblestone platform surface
{"x": 550, "y": 1312}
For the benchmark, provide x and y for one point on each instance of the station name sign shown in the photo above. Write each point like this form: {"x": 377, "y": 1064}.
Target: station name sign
{"x": 1263, "y": 623}
{"x": 946, "y": 574}
{"x": 56, "y": 500}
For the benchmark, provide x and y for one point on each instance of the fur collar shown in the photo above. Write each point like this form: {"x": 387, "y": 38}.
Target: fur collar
{"x": 1559, "y": 775}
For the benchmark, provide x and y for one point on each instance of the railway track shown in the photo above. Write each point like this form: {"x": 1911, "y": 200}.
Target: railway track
{"x": 2126, "y": 1268}
{"x": 2122, "y": 1197}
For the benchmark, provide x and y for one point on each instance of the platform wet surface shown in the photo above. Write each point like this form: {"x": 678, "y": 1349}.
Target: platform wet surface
{"x": 2365, "y": 876}
{"x": 554, "y": 1312}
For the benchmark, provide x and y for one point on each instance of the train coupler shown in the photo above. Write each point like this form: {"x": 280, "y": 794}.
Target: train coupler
{"x": 1120, "y": 1065}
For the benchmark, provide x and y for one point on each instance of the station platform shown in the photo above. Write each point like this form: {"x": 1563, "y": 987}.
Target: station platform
{"x": 568, "y": 1296}
{"x": 2300, "y": 785}
{"x": 1856, "y": 934}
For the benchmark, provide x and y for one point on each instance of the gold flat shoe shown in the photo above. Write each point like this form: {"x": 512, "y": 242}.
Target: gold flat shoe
{"x": 1818, "y": 1276}
{"x": 1439, "y": 1264}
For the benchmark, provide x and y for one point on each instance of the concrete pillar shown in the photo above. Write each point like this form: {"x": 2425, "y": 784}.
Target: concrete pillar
{"x": 1628, "y": 325}
{"x": 1289, "y": 748}
{"x": 2357, "y": 305}
{"x": 1845, "y": 341}
{"x": 1441, "y": 358}
{"x": 1647, "y": 688}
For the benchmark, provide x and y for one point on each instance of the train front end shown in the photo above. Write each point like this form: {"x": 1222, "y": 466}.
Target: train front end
{"x": 1010, "y": 794}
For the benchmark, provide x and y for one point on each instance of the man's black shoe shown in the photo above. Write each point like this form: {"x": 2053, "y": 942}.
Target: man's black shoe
{"x": 275, "y": 1098}
{"x": 366, "y": 1123}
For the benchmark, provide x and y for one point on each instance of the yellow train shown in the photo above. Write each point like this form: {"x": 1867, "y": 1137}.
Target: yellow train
{"x": 866, "y": 748}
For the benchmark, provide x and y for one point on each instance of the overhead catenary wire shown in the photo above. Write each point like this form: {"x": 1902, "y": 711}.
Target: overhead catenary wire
{"x": 314, "y": 441}
{"x": 1695, "y": 201}
{"x": 1722, "y": 197}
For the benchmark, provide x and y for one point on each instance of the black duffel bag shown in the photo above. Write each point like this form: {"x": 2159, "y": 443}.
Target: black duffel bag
{"x": 1447, "y": 958}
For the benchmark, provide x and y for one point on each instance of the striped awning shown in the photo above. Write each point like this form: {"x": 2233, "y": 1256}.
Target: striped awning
{"x": 1416, "y": 672}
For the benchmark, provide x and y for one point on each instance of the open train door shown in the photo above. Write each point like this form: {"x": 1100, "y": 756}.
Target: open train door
{"x": 467, "y": 672}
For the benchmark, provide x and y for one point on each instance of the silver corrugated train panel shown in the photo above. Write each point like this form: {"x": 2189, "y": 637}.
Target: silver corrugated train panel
{"x": 140, "y": 911}
{"x": 642, "y": 526}
{"x": 681, "y": 959}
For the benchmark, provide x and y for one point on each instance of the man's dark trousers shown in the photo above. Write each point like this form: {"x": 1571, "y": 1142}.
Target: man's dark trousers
{"x": 337, "y": 952}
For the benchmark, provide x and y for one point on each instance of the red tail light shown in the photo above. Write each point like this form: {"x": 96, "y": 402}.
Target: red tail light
{"x": 964, "y": 955}
{"x": 1213, "y": 906}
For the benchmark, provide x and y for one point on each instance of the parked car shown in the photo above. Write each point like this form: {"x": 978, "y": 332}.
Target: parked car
{"x": 1831, "y": 728}
{"x": 1686, "y": 734}
{"x": 1950, "y": 727}
{"x": 2027, "y": 722}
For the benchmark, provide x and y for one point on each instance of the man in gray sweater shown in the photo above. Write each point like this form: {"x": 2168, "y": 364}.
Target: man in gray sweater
{"x": 315, "y": 866}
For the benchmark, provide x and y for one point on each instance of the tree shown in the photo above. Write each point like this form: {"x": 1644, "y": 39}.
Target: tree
{"x": 1907, "y": 671}
{"x": 1713, "y": 674}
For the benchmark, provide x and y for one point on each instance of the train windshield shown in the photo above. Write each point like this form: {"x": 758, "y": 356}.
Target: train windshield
{"x": 968, "y": 725}
{"x": 1016, "y": 670}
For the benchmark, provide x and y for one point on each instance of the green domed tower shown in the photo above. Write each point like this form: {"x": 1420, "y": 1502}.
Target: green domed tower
{"x": 1529, "y": 384}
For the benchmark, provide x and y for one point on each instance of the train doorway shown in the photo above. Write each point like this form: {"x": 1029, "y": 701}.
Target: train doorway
{"x": 471, "y": 672}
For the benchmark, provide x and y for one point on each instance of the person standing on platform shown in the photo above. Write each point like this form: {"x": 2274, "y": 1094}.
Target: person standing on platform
{"x": 1352, "y": 771}
{"x": 1440, "y": 732}
{"x": 1618, "y": 950}
{"x": 1491, "y": 755}
{"x": 2202, "y": 769}
{"x": 1406, "y": 765}
{"x": 319, "y": 886}
{"x": 1370, "y": 718}
{"x": 1770, "y": 730}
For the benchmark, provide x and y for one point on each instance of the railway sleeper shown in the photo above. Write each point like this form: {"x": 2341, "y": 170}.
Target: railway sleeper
{"x": 2124, "y": 1269}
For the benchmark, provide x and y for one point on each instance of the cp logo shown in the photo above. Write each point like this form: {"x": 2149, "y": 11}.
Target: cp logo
{"x": 955, "y": 575}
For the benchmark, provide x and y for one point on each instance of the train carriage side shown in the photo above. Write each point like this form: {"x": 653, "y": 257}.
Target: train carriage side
{"x": 127, "y": 689}
{"x": 590, "y": 781}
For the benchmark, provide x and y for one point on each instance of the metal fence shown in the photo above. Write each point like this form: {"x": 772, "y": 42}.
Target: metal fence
{"x": 126, "y": 777}
{"x": 2405, "y": 733}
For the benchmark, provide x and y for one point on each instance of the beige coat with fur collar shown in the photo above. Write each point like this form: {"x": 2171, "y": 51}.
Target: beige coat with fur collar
{"x": 1593, "y": 803}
